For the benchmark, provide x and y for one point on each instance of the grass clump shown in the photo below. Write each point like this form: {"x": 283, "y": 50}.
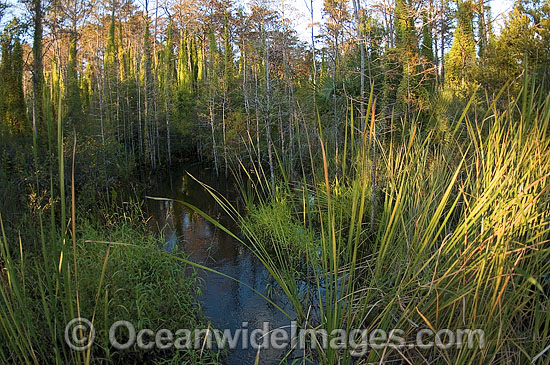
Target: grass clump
{"x": 140, "y": 285}
{"x": 108, "y": 282}
{"x": 103, "y": 271}
{"x": 460, "y": 238}
{"x": 278, "y": 228}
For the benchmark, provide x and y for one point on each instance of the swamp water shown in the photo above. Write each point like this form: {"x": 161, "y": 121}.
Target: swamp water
{"x": 226, "y": 303}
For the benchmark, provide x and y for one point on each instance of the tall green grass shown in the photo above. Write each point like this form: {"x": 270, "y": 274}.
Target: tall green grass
{"x": 74, "y": 276}
{"x": 52, "y": 285}
{"x": 460, "y": 240}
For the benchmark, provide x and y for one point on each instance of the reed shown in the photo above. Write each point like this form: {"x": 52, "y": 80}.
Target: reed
{"x": 24, "y": 330}
{"x": 460, "y": 240}
{"x": 41, "y": 291}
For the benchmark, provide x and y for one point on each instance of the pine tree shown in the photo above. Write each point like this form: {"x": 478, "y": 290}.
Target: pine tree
{"x": 37, "y": 72}
{"x": 168, "y": 77}
{"x": 427, "y": 54}
{"x": 12, "y": 103}
{"x": 406, "y": 42}
{"x": 148, "y": 87}
{"x": 183, "y": 61}
{"x": 73, "y": 102}
{"x": 462, "y": 56}
{"x": 212, "y": 77}
{"x": 405, "y": 38}
{"x": 193, "y": 63}
{"x": 18, "y": 107}
{"x": 484, "y": 31}
{"x": 87, "y": 88}
{"x": 111, "y": 76}
{"x": 228, "y": 78}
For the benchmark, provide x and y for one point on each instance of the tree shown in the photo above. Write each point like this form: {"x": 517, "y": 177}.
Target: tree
{"x": 111, "y": 69}
{"x": 212, "y": 76}
{"x": 74, "y": 13}
{"x": 73, "y": 101}
{"x": 37, "y": 71}
{"x": 228, "y": 78}
{"x": 12, "y": 101}
{"x": 148, "y": 89}
{"x": 357, "y": 9}
{"x": 484, "y": 28}
{"x": 523, "y": 43}
{"x": 427, "y": 54}
{"x": 461, "y": 58}
{"x": 406, "y": 42}
{"x": 168, "y": 82}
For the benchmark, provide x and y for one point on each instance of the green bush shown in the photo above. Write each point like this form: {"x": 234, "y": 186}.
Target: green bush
{"x": 138, "y": 283}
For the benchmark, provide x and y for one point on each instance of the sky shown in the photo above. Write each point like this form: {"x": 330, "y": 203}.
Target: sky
{"x": 498, "y": 7}
{"x": 302, "y": 17}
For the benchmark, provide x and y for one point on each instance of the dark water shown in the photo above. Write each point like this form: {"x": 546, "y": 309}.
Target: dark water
{"x": 225, "y": 302}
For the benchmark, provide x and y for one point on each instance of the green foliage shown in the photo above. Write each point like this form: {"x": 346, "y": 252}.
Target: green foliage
{"x": 110, "y": 50}
{"x": 277, "y": 226}
{"x": 110, "y": 64}
{"x": 427, "y": 55}
{"x": 140, "y": 285}
{"x": 67, "y": 276}
{"x": 405, "y": 37}
{"x": 461, "y": 59}
{"x": 184, "y": 81}
{"x": 460, "y": 236}
{"x": 426, "y": 50}
{"x": 523, "y": 43}
{"x": 229, "y": 64}
{"x": 13, "y": 113}
{"x": 458, "y": 193}
{"x": 411, "y": 93}
{"x": 74, "y": 115}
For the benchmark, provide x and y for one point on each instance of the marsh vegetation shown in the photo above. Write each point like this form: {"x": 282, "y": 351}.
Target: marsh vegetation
{"x": 189, "y": 164}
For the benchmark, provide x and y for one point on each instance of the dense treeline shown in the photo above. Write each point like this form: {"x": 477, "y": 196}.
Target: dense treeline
{"x": 224, "y": 80}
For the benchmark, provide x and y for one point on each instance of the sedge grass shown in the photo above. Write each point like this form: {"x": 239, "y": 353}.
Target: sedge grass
{"x": 41, "y": 291}
{"x": 460, "y": 241}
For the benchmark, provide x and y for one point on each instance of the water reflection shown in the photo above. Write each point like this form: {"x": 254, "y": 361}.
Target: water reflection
{"x": 225, "y": 302}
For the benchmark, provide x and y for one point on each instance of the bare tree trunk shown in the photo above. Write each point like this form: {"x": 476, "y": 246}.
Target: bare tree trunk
{"x": 314, "y": 79}
{"x": 436, "y": 50}
{"x": 257, "y": 104}
{"x": 157, "y": 135}
{"x": 357, "y": 8}
{"x": 290, "y": 93}
{"x": 246, "y": 104}
{"x": 442, "y": 47}
{"x": 37, "y": 73}
{"x": 291, "y": 126}
{"x": 211, "y": 109}
{"x": 130, "y": 123}
{"x": 373, "y": 171}
{"x": 100, "y": 96}
{"x": 483, "y": 28}
{"x": 168, "y": 131}
{"x": 223, "y": 131}
{"x": 101, "y": 113}
{"x": 268, "y": 117}
{"x": 140, "y": 136}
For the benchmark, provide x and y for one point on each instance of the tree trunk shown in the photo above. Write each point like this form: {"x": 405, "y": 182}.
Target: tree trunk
{"x": 37, "y": 74}
{"x": 268, "y": 115}
{"x": 356, "y": 9}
